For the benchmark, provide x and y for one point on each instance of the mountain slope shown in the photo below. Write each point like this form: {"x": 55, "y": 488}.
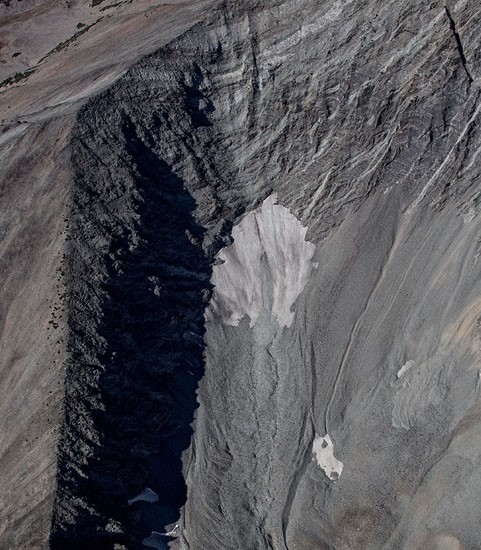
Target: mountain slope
{"x": 273, "y": 234}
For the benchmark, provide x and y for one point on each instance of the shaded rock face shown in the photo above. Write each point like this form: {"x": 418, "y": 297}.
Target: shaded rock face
{"x": 338, "y": 402}
{"x": 138, "y": 282}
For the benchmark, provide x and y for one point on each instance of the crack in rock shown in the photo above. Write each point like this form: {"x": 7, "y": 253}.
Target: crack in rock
{"x": 459, "y": 44}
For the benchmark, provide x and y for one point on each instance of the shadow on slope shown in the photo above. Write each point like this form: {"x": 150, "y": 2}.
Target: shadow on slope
{"x": 132, "y": 378}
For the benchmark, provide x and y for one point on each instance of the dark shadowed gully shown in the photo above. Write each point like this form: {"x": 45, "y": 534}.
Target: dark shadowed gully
{"x": 135, "y": 364}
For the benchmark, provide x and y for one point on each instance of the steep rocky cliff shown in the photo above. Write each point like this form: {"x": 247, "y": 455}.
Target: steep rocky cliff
{"x": 272, "y": 284}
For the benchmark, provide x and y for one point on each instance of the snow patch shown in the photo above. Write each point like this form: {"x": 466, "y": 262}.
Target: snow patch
{"x": 403, "y": 370}
{"x": 157, "y": 540}
{"x": 147, "y": 495}
{"x": 268, "y": 265}
{"x": 323, "y": 451}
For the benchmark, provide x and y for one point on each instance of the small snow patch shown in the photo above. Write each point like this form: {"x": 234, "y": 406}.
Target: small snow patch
{"x": 269, "y": 248}
{"x": 157, "y": 540}
{"x": 323, "y": 450}
{"x": 147, "y": 495}
{"x": 403, "y": 370}
{"x": 174, "y": 532}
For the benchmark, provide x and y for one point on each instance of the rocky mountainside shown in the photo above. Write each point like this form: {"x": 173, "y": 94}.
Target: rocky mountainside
{"x": 265, "y": 323}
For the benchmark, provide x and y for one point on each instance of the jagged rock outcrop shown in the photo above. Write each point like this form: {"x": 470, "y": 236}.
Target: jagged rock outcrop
{"x": 280, "y": 205}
